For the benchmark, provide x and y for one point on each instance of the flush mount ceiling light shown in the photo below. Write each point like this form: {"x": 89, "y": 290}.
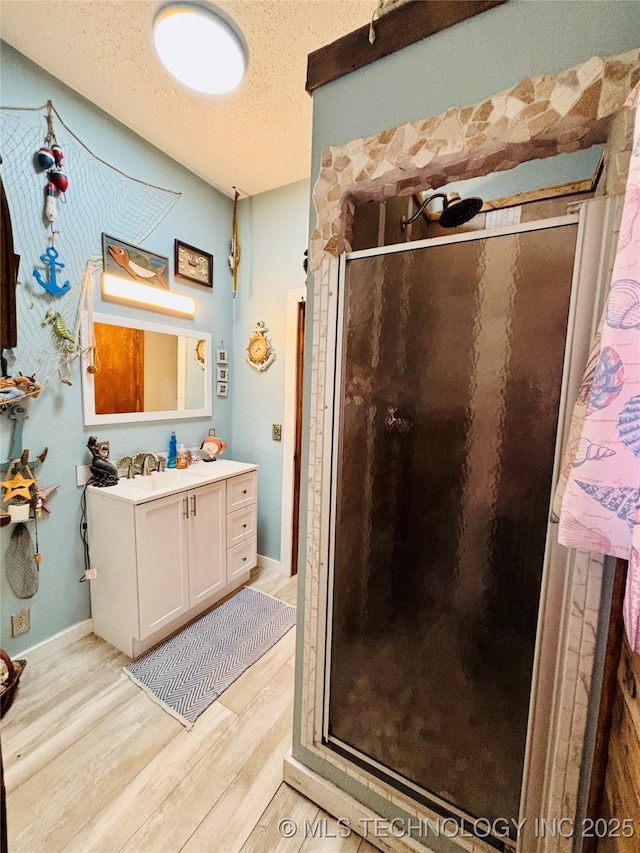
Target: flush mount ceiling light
{"x": 201, "y": 47}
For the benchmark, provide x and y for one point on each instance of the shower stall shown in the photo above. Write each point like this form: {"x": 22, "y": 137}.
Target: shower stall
{"x": 447, "y": 391}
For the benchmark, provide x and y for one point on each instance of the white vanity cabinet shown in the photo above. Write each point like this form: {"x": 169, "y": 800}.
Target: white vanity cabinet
{"x": 180, "y": 553}
{"x": 163, "y": 557}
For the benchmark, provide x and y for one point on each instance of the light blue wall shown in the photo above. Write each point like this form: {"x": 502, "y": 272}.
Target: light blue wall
{"x": 468, "y": 63}
{"x": 273, "y": 238}
{"x": 202, "y": 218}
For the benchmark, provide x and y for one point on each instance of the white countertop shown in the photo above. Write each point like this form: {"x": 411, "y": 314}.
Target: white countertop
{"x": 173, "y": 480}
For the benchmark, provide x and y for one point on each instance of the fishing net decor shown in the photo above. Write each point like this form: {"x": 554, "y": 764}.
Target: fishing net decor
{"x": 20, "y": 564}
{"x": 100, "y": 198}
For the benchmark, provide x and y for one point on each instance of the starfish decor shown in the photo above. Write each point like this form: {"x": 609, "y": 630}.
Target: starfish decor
{"x": 19, "y": 486}
{"x": 42, "y": 497}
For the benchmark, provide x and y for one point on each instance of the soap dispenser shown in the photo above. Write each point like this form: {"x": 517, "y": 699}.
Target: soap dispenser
{"x": 173, "y": 451}
{"x": 182, "y": 460}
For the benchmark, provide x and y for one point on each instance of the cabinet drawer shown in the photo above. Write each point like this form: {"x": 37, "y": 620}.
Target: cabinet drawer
{"x": 241, "y": 490}
{"x": 242, "y": 557}
{"x": 241, "y": 524}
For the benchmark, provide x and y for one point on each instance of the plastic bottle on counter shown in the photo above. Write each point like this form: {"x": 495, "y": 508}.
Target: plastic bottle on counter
{"x": 182, "y": 460}
{"x": 173, "y": 451}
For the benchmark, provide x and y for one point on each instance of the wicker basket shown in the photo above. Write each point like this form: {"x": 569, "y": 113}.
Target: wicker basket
{"x": 8, "y": 689}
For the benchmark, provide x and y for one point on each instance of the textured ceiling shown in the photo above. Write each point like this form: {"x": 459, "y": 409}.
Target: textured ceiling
{"x": 256, "y": 138}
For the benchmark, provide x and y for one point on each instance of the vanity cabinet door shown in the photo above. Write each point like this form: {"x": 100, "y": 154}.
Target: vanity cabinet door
{"x": 207, "y": 541}
{"x": 162, "y": 559}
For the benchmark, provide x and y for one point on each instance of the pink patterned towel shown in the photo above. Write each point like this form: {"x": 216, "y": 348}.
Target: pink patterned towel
{"x": 600, "y": 505}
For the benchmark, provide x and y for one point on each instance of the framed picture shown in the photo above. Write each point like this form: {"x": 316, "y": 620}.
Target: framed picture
{"x": 193, "y": 264}
{"x": 223, "y": 374}
{"x": 222, "y": 356}
{"x": 222, "y": 389}
{"x": 127, "y": 261}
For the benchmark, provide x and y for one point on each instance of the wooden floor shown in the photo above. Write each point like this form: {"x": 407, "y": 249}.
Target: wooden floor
{"x": 93, "y": 764}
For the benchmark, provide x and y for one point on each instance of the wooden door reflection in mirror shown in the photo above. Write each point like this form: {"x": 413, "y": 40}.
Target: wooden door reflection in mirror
{"x": 144, "y": 371}
{"x": 119, "y": 381}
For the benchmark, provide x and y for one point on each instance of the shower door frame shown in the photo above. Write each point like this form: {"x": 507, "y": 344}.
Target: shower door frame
{"x": 561, "y": 566}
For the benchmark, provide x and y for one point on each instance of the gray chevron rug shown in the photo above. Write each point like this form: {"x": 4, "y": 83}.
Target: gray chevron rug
{"x": 187, "y": 672}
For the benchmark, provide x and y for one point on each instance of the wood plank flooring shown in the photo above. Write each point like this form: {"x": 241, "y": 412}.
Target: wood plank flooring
{"x": 93, "y": 764}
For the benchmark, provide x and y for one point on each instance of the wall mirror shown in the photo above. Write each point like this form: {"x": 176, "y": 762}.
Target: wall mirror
{"x": 142, "y": 371}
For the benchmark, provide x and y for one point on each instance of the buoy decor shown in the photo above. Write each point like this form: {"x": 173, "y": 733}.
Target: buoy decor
{"x": 50, "y": 158}
{"x": 50, "y": 202}
{"x": 60, "y": 181}
{"x": 58, "y": 154}
{"x": 45, "y": 158}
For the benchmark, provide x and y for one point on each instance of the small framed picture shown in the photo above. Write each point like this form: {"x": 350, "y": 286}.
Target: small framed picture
{"x": 222, "y": 356}
{"x": 132, "y": 262}
{"x": 193, "y": 264}
{"x": 222, "y": 389}
{"x": 223, "y": 374}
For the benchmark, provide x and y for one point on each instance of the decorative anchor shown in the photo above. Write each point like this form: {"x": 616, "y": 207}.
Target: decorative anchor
{"x": 18, "y": 415}
{"x": 52, "y": 286}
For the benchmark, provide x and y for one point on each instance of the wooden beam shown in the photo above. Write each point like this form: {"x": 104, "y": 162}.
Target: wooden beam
{"x": 397, "y": 29}
{"x": 556, "y": 191}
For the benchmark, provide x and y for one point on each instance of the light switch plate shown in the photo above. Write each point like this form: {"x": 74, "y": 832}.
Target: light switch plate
{"x": 276, "y": 432}
{"x": 83, "y": 472}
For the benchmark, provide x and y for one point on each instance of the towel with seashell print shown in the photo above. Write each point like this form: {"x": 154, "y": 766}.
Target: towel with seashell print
{"x": 598, "y": 499}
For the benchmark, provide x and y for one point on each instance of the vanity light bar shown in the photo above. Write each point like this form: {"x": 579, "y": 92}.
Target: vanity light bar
{"x": 124, "y": 290}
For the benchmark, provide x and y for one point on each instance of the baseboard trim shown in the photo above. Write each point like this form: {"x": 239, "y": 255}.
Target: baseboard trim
{"x": 34, "y": 654}
{"x": 272, "y": 565}
{"x": 338, "y": 803}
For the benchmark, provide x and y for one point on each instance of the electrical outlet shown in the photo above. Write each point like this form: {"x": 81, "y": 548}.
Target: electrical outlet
{"x": 276, "y": 432}
{"x": 20, "y": 623}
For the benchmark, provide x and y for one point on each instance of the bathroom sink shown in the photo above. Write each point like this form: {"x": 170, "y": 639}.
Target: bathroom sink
{"x": 165, "y": 479}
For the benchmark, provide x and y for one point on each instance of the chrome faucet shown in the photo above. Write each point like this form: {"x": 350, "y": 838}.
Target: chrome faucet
{"x": 146, "y": 467}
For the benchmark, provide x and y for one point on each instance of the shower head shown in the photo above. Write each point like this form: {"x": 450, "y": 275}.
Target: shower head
{"x": 455, "y": 210}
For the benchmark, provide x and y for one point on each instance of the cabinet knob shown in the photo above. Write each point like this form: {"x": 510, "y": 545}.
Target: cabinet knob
{"x": 244, "y": 525}
{"x": 244, "y": 559}
{"x": 244, "y": 491}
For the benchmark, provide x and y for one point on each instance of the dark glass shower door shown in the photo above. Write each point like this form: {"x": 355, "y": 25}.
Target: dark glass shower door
{"x": 447, "y": 408}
